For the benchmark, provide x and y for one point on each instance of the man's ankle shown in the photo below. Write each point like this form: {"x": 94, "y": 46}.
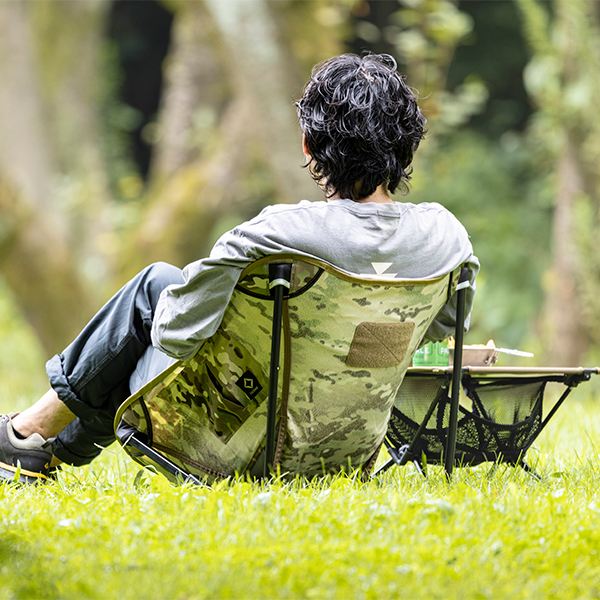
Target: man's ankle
{"x": 48, "y": 417}
{"x": 18, "y": 434}
{"x": 21, "y": 426}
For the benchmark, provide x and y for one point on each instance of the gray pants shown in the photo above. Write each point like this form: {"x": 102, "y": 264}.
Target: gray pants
{"x": 92, "y": 375}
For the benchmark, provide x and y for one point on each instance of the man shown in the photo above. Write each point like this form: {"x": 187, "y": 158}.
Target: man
{"x": 361, "y": 126}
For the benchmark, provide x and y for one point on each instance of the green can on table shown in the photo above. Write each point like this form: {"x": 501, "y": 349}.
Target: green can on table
{"x": 434, "y": 354}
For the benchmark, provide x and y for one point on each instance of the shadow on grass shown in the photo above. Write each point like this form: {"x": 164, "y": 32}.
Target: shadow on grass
{"x": 23, "y": 573}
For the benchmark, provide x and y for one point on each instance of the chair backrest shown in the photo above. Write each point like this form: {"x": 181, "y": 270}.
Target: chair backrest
{"x": 347, "y": 343}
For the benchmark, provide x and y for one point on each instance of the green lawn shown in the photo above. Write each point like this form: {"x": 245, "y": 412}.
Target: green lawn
{"x": 110, "y": 531}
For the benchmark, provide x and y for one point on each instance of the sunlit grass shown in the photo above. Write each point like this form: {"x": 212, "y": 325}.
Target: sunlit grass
{"x": 107, "y": 531}
{"x": 112, "y": 531}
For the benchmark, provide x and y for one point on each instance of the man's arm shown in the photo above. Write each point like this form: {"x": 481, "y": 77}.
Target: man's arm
{"x": 189, "y": 313}
{"x": 443, "y": 325}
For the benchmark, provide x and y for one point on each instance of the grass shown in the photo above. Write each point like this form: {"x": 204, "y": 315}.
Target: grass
{"x": 110, "y": 530}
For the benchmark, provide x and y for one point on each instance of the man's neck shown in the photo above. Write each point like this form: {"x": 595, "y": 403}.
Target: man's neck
{"x": 379, "y": 196}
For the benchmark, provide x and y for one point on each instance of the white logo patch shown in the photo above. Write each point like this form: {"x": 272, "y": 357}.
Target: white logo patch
{"x": 380, "y": 270}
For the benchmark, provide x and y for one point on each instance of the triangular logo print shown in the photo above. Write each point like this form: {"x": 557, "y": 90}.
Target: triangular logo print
{"x": 381, "y": 268}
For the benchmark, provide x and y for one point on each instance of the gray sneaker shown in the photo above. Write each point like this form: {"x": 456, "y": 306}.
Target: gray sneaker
{"x": 31, "y": 455}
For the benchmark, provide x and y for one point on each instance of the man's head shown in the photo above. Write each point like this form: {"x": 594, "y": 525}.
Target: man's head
{"x": 361, "y": 125}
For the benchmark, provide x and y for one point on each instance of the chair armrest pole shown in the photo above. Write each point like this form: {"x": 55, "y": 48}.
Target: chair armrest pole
{"x": 273, "y": 379}
{"x": 456, "y": 373}
{"x": 280, "y": 275}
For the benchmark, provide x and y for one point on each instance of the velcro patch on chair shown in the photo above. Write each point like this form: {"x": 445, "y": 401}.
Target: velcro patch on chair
{"x": 377, "y": 345}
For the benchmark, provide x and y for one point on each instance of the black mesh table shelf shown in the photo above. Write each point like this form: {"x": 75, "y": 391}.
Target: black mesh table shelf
{"x": 499, "y": 417}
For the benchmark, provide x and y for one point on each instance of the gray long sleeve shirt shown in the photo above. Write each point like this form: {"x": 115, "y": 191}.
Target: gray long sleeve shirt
{"x": 401, "y": 240}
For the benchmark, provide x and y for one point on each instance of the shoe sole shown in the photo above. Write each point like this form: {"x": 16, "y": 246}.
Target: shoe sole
{"x": 25, "y": 476}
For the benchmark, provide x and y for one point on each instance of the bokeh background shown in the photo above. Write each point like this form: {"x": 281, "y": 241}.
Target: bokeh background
{"x": 136, "y": 131}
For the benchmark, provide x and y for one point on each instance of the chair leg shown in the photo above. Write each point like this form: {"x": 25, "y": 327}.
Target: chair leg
{"x": 521, "y": 463}
{"x": 383, "y": 468}
{"x": 400, "y": 457}
{"x": 421, "y": 470}
{"x": 162, "y": 461}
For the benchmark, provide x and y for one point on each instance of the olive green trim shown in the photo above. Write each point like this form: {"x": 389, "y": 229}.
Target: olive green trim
{"x": 139, "y": 395}
{"x": 149, "y": 426}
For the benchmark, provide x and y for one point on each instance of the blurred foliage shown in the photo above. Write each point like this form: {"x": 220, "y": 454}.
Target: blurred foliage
{"x": 562, "y": 78}
{"x": 425, "y": 34}
{"x": 466, "y": 58}
{"x": 495, "y": 52}
{"x": 329, "y": 22}
{"x": 137, "y": 41}
{"x": 488, "y": 184}
{"x": 22, "y": 375}
{"x": 120, "y": 121}
{"x": 492, "y": 190}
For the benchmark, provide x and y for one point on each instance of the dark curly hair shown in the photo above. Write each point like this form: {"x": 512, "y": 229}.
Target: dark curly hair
{"x": 361, "y": 124}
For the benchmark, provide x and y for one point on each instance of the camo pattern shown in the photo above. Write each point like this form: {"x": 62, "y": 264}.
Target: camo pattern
{"x": 337, "y": 415}
{"x": 209, "y": 414}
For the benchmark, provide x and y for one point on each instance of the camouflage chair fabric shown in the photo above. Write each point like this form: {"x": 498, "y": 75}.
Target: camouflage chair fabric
{"x": 347, "y": 343}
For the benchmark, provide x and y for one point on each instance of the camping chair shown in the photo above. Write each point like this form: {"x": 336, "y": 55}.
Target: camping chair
{"x": 500, "y": 417}
{"x": 348, "y": 341}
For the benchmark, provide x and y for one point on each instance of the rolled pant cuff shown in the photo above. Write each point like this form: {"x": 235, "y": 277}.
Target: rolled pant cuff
{"x": 60, "y": 384}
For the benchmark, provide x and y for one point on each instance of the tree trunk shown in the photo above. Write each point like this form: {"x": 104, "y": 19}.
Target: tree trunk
{"x": 194, "y": 94}
{"x": 35, "y": 260}
{"x": 254, "y": 131}
{"x": 261, "y": 75}
{"x": 567, "y": 335}
{"x": 68, "y": 44}
{"x": 24, "y": 148}
{"x": 194, "y": 181}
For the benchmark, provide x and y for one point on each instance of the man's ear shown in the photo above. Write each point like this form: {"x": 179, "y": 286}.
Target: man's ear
{"x": 305, "y": 146}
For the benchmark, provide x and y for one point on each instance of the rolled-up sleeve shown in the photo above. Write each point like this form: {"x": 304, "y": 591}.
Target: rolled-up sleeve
{"x": 191, "y": 312}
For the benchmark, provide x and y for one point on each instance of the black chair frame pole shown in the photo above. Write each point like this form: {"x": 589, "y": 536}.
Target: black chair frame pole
{"x": 279, "y": 284}
{"x": 405, "y": 453}
{"x": 401, "y": 456}
{"x": 463, "y": 284}
{"x": 130, "y": 435}
{"x": 162, "y": 461}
